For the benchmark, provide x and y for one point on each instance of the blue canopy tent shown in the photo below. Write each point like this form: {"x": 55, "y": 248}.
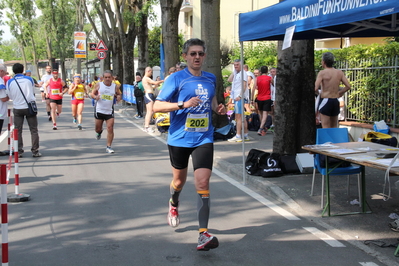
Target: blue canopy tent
{"x": 317, "y": 19}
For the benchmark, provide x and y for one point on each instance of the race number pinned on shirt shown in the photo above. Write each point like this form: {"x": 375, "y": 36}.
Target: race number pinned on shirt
{"x": 79, "y": 95}
{"x": 106, "y": 97}
{"x": 197, "y": 122}
{"x": 55, "y": 91}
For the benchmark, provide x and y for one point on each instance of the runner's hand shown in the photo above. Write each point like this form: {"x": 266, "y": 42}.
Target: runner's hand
{"x": 193, "y": 102}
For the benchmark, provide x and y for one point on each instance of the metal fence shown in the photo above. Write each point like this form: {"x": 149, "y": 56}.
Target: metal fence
{"x": 373, "y": 96}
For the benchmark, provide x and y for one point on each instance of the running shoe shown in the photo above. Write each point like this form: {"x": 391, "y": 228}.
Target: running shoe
{"x": 74, "y": 121}
{"x": 246, "y": 138}
{"x": 206, "y": 241}
{"x": 49, "y": 118}
{"x": 235, "y": 139}
{"x": 264, "y": 131}
{"x": 109, "y": 150}
{"x": 271, "y": 129}
{"x": 54, "y": 127}
{"x": 173, "y": 215}
{"x": 80, "y": 127}
{"x": 149, "y": 130}
{"x": 260, "y": 132}
{"x": 159, "y": 120}
{"x": 98, "y": 136}
{"x": 37, "y": 154}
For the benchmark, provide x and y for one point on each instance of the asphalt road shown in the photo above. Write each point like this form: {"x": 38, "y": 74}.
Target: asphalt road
{"x": 92, "y": 208}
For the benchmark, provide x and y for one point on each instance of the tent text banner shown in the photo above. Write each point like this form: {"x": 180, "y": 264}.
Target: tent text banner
{"x": 316, "y": 19}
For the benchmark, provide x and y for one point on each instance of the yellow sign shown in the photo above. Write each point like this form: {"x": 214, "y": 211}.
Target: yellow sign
{"x": 80, "y": 44}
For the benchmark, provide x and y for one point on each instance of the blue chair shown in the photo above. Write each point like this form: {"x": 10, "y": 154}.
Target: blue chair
{"x": 334, "y": 135}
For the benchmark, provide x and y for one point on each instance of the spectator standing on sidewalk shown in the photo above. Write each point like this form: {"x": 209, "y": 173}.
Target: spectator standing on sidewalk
{"x": 149, "y": 97}
{"x": 189, "y": 96}
{"x": 262, "y": 86}
{"x": 239, "y": 99}
{"x": 273, "y": 74}
{"x": 138, "y": 85}
{"x": 17, "y": 86}
{"x": 329, "y": 80}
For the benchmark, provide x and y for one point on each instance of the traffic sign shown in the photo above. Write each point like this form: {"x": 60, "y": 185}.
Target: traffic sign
{"x": 92, "y": 46}
{"x": 101, "y": 46}
{"x": 101, "y": 54}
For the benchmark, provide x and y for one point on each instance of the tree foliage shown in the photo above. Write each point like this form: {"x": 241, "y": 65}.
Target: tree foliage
{"x": 9, "y": 50}
{"x": 257, "y": 54}
{"x": 154, "y": 41}
{"x": 59, "y": 21}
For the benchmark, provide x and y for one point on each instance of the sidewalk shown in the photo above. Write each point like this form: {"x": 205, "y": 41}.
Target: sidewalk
{"x": 294, "y": 192}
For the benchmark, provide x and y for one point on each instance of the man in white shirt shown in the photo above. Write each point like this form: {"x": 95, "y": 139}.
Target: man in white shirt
{"x": 20, "y": 91}
{"x": 273, "y": 74}
{"x": 45, "y": 91}
{"x": 239, "y": 100}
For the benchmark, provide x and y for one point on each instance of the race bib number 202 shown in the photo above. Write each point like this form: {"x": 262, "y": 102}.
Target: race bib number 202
{"x": 197, "y": 122}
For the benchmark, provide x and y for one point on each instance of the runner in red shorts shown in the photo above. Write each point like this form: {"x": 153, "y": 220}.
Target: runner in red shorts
{"x": 79, "y": 92}
{"x": 55, "y": 93}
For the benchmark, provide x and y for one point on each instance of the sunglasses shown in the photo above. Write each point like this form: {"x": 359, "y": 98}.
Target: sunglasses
{"x": 200, "y": 54}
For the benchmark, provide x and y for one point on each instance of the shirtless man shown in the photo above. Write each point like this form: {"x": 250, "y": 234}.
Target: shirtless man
{"x": 149, "y": 97}
{"x": 328, "y": 80}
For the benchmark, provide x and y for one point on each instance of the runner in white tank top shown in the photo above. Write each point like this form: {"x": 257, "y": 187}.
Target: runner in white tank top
{"x": 104, "y": 94}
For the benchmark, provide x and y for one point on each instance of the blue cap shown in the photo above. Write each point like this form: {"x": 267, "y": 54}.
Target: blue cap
{"x": 27, "y": 71}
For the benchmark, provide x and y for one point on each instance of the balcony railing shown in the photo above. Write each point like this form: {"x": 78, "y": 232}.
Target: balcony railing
{"x": 186, "y": 6}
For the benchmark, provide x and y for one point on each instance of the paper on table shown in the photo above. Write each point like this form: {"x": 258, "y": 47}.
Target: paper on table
{"x": 345, "y": 151}
{"x": 385, "y": 162}
{"x": 361, "y": 157}
{"x": 320, "y": 146}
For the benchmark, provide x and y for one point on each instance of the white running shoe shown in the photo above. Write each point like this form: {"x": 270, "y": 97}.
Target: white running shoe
{"x": 149, "y": 130}
{"x": 235, "y": 139}
{"x": 109, "y": 150}
{"x": 206, "y": 241}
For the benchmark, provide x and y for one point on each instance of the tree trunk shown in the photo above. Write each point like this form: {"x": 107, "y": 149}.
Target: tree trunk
{"x": 23, "y": 55}
{"x": 170, "y": 33}
{"x": 128, "y": 58}
{"x": 142, "y": 37}
{"x": 210, "y": 33}
{"x": 294, "y": 110}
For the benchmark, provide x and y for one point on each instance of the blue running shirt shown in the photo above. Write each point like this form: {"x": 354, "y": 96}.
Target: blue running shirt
{"x": 190, "y": 127}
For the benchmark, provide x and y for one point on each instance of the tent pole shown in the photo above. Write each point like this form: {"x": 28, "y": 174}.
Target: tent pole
{"x": 244, "y": 181}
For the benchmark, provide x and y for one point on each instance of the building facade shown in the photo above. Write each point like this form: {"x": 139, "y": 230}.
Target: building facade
{"x": 190, "y": 23}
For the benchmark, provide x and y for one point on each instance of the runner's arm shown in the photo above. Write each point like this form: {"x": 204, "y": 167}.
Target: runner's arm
{"x": 164, "y": 107}
{"x": 220, "y": 109}
{"x": 94, "y": 92}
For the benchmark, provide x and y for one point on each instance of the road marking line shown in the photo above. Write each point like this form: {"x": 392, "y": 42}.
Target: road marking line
{"x": 241, "y": 187}
{"x": 323, "y": 236}
{"x": 368, "y": 264}
{"x": 257, "y": 196}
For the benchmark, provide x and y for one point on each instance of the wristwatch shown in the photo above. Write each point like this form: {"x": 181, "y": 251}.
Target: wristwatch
{"x": 180, "y": 104}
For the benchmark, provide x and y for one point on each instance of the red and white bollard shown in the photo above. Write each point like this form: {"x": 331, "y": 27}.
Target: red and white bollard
{"x": 17, "y": 196}
{"x": 4, "y": 216}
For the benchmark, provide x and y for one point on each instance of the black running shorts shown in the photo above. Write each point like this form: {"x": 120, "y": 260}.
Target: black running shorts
{"x": 202, "y": 156}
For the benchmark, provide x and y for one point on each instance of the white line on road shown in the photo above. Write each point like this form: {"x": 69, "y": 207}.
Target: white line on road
{"x": 368, "y": 264}
{"x": 256, "y": 196}
{"x": 323, "y": 236}
{"x": 241, "y": 187}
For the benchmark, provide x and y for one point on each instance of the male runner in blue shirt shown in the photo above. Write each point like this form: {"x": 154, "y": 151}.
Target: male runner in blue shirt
{"x": 189, "y": 96}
